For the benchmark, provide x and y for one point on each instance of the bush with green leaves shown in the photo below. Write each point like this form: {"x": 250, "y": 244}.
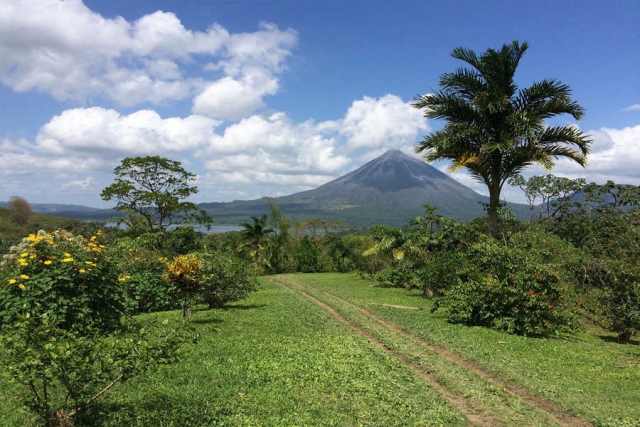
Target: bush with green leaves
{"x": 140, "y": 266}
{"x": 62, "y": 329}
{"x": 225, "y": 279}
{"x": 505, "y": 288}
{"x": 307, "y": 256}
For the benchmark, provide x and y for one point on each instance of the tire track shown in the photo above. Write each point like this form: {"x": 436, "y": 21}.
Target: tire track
{"x": 554, "y": 412}
{"x": 480, "y": 419}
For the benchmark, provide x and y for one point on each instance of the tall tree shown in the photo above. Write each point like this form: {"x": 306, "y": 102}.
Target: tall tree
{"x": 494, "y": 129}
{"x": 151, "y": 192}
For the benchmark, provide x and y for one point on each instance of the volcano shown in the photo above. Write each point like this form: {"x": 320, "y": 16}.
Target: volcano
{"x": 391, "y": 189}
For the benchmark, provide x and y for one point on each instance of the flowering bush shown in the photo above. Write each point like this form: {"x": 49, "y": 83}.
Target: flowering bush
{"x": 66, "y": 277}
{"x": 184, "y": 274}
{"x": 61, "y": 327}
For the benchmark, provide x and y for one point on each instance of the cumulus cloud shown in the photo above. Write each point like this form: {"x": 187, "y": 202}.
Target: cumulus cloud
{"x": 70, "y": 52}
{"x": 383, "y": 122}
{"x": 106, "y": 131}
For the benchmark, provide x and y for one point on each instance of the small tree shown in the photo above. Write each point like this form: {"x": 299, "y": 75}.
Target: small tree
{"x": 20, "y": 210}
{"x": 151, "y": 192}
{"x": 254, "y": 237}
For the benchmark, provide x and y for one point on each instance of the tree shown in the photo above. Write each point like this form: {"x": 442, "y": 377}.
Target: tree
{"x": 20, "y": 210}
{"x": 494, "y": 129}
{"x": 253, "y": 237}
{"x": 150, "y": 191}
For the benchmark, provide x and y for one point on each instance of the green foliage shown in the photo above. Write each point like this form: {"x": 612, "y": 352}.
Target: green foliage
{"x": 225, "y": 279}
{"x": 63, "y": 276}
{"x": 254, "y": 238}
{"x": 181, "y": 241}
{"x": 494, "y": 129}
{"x": 505, "y": 288}
{"x": 140, "y": 266}
{"x": 307, "y": 256}
{"x": 150, "y": 191}
{"x": 61, "y": 325}
{"x": 184, "y": 274}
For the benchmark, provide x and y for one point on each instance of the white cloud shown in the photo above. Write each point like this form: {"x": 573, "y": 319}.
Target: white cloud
{"x": 87, "y": 184}
{"x": 634, "y": 107}
{"x": 70, "y": 52}
{"x": 232, "y": 99}
{"x": 105, "y": 131}
{"x": 384, "y": 122}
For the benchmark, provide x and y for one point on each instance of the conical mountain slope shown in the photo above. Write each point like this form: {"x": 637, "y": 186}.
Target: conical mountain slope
{"x": 391, "y": 179}
{"x": 390, "y": 189}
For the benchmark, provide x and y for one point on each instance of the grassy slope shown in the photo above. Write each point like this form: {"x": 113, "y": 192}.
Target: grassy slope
{"x": 274, "y": 360}
{"x": 589, "y": 374}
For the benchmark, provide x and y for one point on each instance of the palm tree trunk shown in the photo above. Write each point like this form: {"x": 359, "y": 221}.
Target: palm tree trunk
{"x": 493, "y": 228}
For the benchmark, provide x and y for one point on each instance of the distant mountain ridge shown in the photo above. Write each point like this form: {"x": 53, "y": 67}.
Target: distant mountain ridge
{"x": 390, "y": 189}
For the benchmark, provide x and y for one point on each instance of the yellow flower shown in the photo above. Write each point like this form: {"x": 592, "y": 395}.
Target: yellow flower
{"x": 67, "y": 259}
{"x": 82, "y": 270}
{"x": 68, "y": 255}
{"x": 21, "y": 286}
{"x": 90, "y": 263}
{"x": 24, "y": 254}
{"x": 24, "y": 276}
{"x": 23, "y": 262}
{"x": 12, "y": 281}
{"x": 47, "y": 262}
{"x": 93, "y": 238}
{"x": 32, "y": 237}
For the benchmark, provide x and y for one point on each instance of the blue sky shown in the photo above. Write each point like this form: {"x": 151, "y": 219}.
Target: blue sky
{"x": 271, "y": 97}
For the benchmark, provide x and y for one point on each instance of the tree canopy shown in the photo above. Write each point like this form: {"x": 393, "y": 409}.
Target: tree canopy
{"x": 494, "y": 129}
{"x": 151, "y": 192}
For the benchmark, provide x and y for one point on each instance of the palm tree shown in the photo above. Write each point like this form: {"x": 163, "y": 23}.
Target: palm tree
{"x": 494, "y": 129}
{"x": 253, "y": 237}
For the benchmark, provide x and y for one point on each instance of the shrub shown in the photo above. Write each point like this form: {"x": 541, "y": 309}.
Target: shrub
{"x": 61, "y": 325}
{"x": 185, "y": 276}
{"x": 307, "y": 256}
{"x": 225, "y": 279}
{"x": 398, "y": 278}
{"x": 140, "y": 267}
{"x": 506, "y": 289}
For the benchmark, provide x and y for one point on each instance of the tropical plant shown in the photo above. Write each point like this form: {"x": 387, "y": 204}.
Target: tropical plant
{"x": 184, "y": 274}
{"x": 494, "y": 129}
{"x": 254, "y": 237}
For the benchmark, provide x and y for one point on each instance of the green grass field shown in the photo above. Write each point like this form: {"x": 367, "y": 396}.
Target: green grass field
{"x": 279, "y": 358}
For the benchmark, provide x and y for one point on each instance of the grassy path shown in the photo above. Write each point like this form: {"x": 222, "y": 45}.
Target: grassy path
{"x": 492, "y": 402}
{"x": 585, "y": 380}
